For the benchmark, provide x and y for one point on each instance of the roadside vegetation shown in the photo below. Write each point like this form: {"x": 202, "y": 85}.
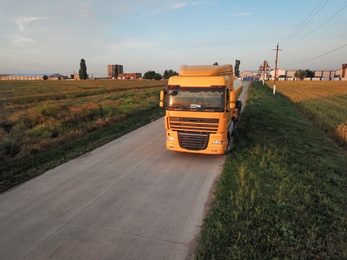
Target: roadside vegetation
{"x": 45, "y": 123}
{"x": 283, "y": 190}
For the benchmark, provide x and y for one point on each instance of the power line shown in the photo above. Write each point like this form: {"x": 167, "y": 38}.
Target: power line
{"x": 269, "y": 56}
{"x": 318, "y": 56}
{"x": 318, "y": 26}
{"x": 302, "y": 24}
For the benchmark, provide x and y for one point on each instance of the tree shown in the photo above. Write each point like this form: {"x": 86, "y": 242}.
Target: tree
{"x": 309, "y": 73}
{"x": 83, "y": 70}
{"x": 169, "y": 73}
{"x": 149, "y": 74}
{"x": 152, "y": 75}
{"x": 215, "y": 64}
{"x": 45, "y": 77}
{"x": 300, "y": 74}
{"x": 237, "y": 68}
{"x": 157, "y": 76}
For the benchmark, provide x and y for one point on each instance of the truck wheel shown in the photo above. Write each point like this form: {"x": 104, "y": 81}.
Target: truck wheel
{"x": 228, "y": 148}
{"x": 231, "y": 133}
{"x": 233, "y": 127}
{"x": 239, "y": 109}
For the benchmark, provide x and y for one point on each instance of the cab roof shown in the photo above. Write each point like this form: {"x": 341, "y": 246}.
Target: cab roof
{"x": 205, "y": 70}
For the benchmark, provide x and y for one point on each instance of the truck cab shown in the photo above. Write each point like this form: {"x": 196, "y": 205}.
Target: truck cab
{"x": 201, "y": 109}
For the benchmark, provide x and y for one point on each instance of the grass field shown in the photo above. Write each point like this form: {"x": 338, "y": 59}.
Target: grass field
{"x": 41, "y": 118}
{"x": 324, "y": 102}
{"x": 283, "y": 190}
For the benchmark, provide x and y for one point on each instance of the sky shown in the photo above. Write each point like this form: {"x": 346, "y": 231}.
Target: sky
{"x": 51, "y": 36}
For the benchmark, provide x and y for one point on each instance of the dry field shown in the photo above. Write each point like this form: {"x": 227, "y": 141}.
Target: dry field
{"x": 325, "y": 102}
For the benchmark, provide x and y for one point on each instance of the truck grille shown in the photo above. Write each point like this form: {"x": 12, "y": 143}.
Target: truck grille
{"x": 201, "y": 125}
{"x": 193, "y": 141}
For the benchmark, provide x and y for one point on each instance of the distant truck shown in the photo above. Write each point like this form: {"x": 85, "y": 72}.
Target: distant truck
{"x": 202, "y": 109}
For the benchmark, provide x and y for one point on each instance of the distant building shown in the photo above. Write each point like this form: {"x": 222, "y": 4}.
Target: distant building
{"x": 246, "y": 74}
{"x": 129, "y": 76}
{"x": 342, "y": 73}
{"x": 264, "y": 70}
{"x": 318, "y": 75}
{"x": 114, "y": 70}
{"x": 57, "y": 76}
{"x": 75, "y": 76}
{"x": 20, "y": 77}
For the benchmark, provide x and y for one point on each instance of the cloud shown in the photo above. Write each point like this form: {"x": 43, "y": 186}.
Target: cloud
{"x": 24, "y": 21}
{"x": 183, "y": 5}
{"x": 178, "y": 6}
{"x": 23, "y": 34}
{"x": 19, "y": 39}
{"x": 204, "y": 3}
{"x": 241, "y": 14}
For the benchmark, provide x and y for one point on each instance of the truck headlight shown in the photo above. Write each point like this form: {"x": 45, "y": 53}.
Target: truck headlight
{"x": 217, "y": 142}
{"x": 170, "y": 139}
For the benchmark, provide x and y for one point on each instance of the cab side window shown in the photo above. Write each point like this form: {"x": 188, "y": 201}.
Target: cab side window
{"x": 227, "y": 100}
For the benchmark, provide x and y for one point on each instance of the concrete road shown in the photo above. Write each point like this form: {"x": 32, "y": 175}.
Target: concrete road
{"x": 129, "y": 199}
{"x": 243, "y": 96}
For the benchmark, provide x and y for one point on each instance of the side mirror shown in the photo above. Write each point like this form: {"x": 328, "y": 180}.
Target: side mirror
{"x": 232, "y": 100}
{"x": 162, "y": 97}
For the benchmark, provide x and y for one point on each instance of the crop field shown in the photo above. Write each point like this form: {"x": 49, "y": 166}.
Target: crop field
{"x": 38, "y": 116}
{"x": 324, "y": 102}
{"x": 283, "y": 190}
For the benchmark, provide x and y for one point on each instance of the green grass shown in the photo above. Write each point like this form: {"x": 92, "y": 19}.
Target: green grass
{"x": 283, "y": 190}
{"x": 45, "y": 123}
{"x": 54, "y": 114}
{"x": 15, "y": 172}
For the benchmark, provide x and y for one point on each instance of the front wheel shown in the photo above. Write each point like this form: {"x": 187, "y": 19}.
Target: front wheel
{"x": 228, "y": 149}
{"x": 231, "y": 133}
{"x": 232, "y": 127}
{"x": 239, "y": 109}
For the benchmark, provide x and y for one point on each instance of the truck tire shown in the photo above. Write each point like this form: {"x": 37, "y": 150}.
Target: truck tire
{"x": 231, "y": 133}
{"x": 228, "y": 148}
{"x": 233, "y": 127}
{"x": 239, "y": 109}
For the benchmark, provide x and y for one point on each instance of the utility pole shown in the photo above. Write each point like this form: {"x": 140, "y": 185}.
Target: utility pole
{"x": 264, "y": 70}
{"x": 277, "y": 49}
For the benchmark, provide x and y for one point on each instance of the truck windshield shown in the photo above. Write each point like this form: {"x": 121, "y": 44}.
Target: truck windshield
{"x": 196, "y": 99}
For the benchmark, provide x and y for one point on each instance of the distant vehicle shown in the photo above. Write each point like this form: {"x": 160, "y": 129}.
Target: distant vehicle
{"x": 249, "y": 78}
{"x": 201, "y": 109}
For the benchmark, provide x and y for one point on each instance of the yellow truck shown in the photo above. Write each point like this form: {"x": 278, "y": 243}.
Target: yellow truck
{"x": 202, "y": 109}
